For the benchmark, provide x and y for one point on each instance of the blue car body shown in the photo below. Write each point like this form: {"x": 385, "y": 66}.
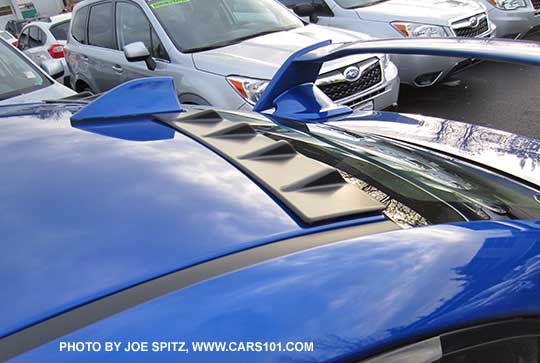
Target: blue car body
{"x": 121, "y": 221}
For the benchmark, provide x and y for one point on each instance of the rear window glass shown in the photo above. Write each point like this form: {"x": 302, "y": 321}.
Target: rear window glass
{"x": 100, "y": 30}
{"x": 17, "y": 75}
{"x": 78, "y": 28}
{"x": 60, "y": 31}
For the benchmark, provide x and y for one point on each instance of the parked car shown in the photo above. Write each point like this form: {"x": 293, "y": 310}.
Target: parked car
{"x": 15, "y": 26}
{"x": 44, "y": 39}
{"x": 386, "y": 19}
{"x": 221, "y": 53}
{"x": 268, "y": 237}
{"x": 22, "y": 81}
{"x": 8, "y": 37}
{"x": 514, "y": 19}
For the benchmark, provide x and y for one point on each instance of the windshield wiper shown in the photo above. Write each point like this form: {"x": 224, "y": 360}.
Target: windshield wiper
{"x": 236, "y": 40}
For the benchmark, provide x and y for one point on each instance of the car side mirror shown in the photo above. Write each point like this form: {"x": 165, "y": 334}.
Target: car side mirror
{"x": 53, "y": 68}
{"x": 137, "y": 52}
{"x": 307, "y": 9}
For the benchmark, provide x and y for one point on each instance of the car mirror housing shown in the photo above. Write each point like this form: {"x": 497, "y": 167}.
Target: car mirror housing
{"x": 53, "y": 68}
{"x": 137, "y": 52}
{"x": 306, "y": 9}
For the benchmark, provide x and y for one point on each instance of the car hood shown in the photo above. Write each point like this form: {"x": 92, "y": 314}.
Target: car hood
{"x": 262, "y": 56}
{"x": 512, "y": 154}
{"x": 53, "y": 92}
{"x": 438, "y": 12}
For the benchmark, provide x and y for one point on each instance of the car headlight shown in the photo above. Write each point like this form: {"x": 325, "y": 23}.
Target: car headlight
{"x": 415, "y": 30}
{"x": 509, "y": 4}
{"x": 248, "y": 88}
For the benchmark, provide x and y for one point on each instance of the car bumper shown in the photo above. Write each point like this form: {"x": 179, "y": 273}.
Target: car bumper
{"x": 515, "y": 23}
{"x": 425, "y": 70}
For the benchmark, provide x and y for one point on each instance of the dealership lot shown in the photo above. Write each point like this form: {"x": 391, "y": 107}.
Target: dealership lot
{"x": 497, "y": 95}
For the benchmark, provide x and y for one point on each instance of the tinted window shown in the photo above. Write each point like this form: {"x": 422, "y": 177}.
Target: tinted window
{"x": 100, "y": 30}
{"x": 133, "y": 26}
{"x": 321, "y": 7}
{"x": 204, "y": 24}
{"x": 36, "y": 37}
{"x": 17, "y": 76}
{"x": 78, "y": 28}
{"x": 524, "y": 350}
{"x": 60, "y": 31}
{"x": 23, "y": 40}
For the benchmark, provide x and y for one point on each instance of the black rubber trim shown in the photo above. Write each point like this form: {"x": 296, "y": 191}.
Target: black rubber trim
{"x": 65, "y": 323}
{"x": 477, "y": 336}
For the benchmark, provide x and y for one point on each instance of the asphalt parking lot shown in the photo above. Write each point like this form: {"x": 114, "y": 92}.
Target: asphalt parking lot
{"x": 497, "y": 95}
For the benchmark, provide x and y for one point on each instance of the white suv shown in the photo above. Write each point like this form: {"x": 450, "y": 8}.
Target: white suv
{"x": 383, "y": 19}
{"x": 220, "y": 52}
{"x": 45, "y": 39}
{"x": 514, "y": 18}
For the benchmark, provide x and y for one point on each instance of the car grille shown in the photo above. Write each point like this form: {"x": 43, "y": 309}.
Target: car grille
{"x": 371, "y": 76}
{"x": 471, "y": 32}
{"x": 536, "y": 4}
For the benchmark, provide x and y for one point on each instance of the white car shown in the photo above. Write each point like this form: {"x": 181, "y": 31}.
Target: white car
{"x": 221, "y": 53}
{"x": 22, "y": 81}
{"x": 45, "y": 40}
{"x": 386, "y": 19}
{"x": 8, "y": 37}
{"x": 514, "y": 18}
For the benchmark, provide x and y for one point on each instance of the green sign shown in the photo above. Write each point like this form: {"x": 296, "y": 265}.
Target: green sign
{"x": 29, "y": 13}
{"x": 163, "y": 3}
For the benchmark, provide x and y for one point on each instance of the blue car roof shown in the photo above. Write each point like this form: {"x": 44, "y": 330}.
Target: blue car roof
{"x": 84, "y": 215}
{"x": 148, "y": 222}
{"x": 361, "y": 295}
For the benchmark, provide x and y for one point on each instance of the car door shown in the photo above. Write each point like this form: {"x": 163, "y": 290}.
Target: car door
{"x": 101, "y": 54}
{"x": 132, "y": 25}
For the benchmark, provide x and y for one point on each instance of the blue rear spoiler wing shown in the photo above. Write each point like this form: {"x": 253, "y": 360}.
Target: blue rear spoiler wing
{"x": 293, "y": 95}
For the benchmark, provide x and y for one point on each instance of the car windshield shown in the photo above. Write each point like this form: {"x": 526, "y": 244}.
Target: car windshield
{"x": 196, "y": 25}
{"x": 17, "y": 75}
{"x": 5, "y": 35}
{"x": 352, "y": 4}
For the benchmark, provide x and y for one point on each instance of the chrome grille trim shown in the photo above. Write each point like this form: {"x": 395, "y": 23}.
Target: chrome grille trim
{"x": 463, "y": 28}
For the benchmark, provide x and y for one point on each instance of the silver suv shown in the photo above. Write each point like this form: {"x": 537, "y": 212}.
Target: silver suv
{"x": 384, "y": 19}
{"x": 514, "y": 19}
{"x": 220, "y": 52}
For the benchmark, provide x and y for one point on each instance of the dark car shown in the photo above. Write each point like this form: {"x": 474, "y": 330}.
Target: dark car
{"x": 15, "y": 26}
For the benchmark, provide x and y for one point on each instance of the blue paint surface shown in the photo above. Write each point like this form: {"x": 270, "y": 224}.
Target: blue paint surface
{"x": 348, "y": 298}
{"x": 83, "y": 215}
{"x": 139, "y": 97}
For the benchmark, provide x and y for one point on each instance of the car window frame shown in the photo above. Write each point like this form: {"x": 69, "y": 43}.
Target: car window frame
{"x": 84, "y": 25}
{"x": 22, "y": 45}
{"x": 113, "y": 24}
{"x": 36, "y": 29}
{"x": 116, "y": 2}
